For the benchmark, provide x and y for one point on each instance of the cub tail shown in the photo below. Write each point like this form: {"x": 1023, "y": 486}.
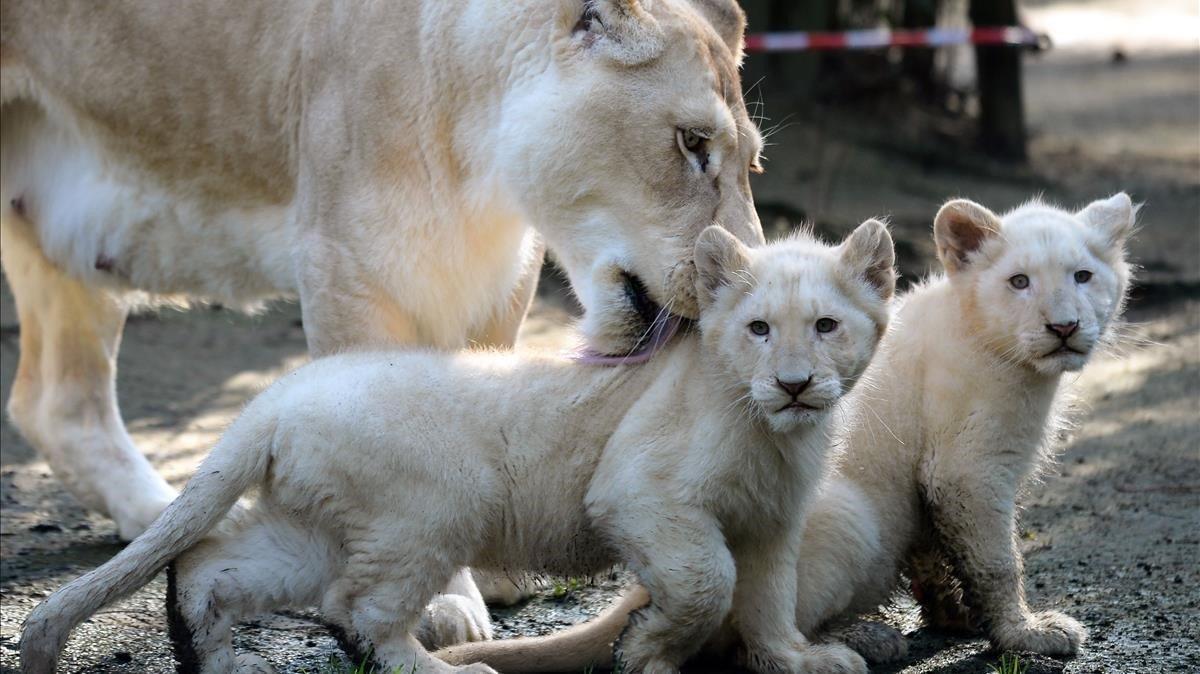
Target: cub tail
{"x": 238, "y": 461}
{"x": 575, "y": 649}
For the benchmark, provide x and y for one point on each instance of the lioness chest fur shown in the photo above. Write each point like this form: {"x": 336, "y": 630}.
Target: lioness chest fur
{"x": 379, "y": 475}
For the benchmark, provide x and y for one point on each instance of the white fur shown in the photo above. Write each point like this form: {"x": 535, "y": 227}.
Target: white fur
{"x": 380, "y": 474}
{"x": 959, "y": 412}
{"x": 389, "y": 172}
{"x": 955, "y": 414}
{"x": 395, "y": 166}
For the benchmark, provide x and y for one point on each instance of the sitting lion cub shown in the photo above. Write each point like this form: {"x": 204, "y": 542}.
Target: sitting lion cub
{"x": 957, "y": 412}
{"x": 962, "y": 413}
{"x": 379, "y": 475}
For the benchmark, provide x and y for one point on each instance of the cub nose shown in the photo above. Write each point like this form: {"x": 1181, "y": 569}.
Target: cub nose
{"x": 793, "y": 388}
{"x": 1063, "y": 330}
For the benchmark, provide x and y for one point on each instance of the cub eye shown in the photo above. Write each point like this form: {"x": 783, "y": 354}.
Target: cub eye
{"x": 694, "y": 143}
{"x": 1083, "y": 276}
{"x": 826, "y": 325}
{"x": 760, "y": 328}
{"x": 1020, "y": 281}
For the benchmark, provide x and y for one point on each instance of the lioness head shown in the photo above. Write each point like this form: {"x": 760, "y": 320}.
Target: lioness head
{"x": 794, "y": 322}
{"x": 1039, "y": 286}
{"x": 637, "y": 141}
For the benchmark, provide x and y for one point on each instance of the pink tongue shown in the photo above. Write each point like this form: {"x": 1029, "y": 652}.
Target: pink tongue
{"x": 660, "y": 333}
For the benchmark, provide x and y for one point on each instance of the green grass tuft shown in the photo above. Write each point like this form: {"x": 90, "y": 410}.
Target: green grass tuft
{"x": 1010, "y": 664}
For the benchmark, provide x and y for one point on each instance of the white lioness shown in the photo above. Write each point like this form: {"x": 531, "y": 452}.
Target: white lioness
{"x": 379, "y": 474}
{"x": 956, "y": 413}
{"x": 388, "y": 163}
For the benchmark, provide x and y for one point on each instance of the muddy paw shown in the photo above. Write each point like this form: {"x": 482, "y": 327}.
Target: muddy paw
{"x": 1048, "y": 633}
{"x": 877, "y": 642}
{"x": 831, "y": 659}
{"x": 453, "y": 619}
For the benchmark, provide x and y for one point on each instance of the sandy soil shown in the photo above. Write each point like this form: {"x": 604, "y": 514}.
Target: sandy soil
{"x": 1112, "y": 535}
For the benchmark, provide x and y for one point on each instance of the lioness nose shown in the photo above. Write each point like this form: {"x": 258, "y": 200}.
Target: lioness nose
{"x": 793, "y": 388}
{"x": 1063, "y": 330}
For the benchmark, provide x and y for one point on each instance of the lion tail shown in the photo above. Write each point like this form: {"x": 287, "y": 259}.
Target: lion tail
{"x": 575, "y": 649}
{"x": 239, "y": 460}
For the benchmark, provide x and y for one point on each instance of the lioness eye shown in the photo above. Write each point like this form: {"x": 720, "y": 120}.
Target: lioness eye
{"x": 1083, "y": 276}
{"x": 826, "y": 325}
{"x": 695, "y": 143}
{"x": 1020, "y": 281}
{"x": 760, "y": 328}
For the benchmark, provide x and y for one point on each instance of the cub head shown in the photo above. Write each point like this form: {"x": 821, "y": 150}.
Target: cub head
{"x": 1040, "y": 285}
{"x": 634, "y": 142}
{"x": 794, "y": 323}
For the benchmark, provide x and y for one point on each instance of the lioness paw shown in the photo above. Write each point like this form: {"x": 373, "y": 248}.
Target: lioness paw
{"x": 135, "y": 514}
{"x": 1047, "y": 633}
{"x": 453, "y": 619}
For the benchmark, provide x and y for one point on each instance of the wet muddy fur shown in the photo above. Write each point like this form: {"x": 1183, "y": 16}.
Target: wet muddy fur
{"x": 182, "y": 644}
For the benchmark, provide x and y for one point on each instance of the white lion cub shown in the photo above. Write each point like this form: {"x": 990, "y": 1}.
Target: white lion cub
{"x": 379, "y": 475}
{"x": 960, "y": 414}
{"x": 956, "y": 412}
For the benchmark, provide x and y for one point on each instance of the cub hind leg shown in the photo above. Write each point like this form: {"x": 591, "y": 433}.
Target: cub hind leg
{"x": 377, "y": 602}
{"x": 252, "y": 565}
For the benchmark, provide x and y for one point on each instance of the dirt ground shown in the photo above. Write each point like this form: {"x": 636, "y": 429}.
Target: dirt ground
{"x": 1112, "y": 535}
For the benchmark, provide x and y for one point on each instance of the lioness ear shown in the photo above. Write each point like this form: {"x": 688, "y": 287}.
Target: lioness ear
{"x": 621, "y": 30}
{"x": 868, "y": 254}
{"x": 719, "y": 255}
{"x": 728, "y": 19}
{"x": 959, "y": 229}
{"x": 1113, "y": 217}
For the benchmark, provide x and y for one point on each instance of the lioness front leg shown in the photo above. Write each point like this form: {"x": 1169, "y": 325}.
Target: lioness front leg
{"x": 764, "y": 613}
{"x": 972, "y": 505}
{"x": 683, "y": 562}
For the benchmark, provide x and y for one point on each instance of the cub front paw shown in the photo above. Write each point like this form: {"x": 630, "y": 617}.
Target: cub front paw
{"x": 453, "y": 619}
{"x": 812, "y": 659}
{"x": 831, "y": 659}
{"x": 1047, "y": 633}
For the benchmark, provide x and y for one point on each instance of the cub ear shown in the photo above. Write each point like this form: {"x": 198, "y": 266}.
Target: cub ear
{"x": 1113, "y": 217}
{"x": 621, "y": 30}
{"x": 719, "y": 255}
{"x": 959, "y": 229}
{"x": 868, "y": 254}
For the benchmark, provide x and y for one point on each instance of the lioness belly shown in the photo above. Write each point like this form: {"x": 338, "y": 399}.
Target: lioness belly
{"x": 117, "y": 228}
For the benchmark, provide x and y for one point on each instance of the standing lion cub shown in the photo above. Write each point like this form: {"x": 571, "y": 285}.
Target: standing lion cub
{"x": 379, "y": 475}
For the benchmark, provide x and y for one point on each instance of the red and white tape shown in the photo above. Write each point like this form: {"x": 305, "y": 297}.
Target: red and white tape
{"x": 1017, "y": 36}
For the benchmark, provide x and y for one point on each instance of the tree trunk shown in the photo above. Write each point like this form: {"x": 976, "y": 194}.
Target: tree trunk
{"x": 1001, "y": 108}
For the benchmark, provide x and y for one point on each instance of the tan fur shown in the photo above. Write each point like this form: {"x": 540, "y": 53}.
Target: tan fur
{"x": 398, "y": 166}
